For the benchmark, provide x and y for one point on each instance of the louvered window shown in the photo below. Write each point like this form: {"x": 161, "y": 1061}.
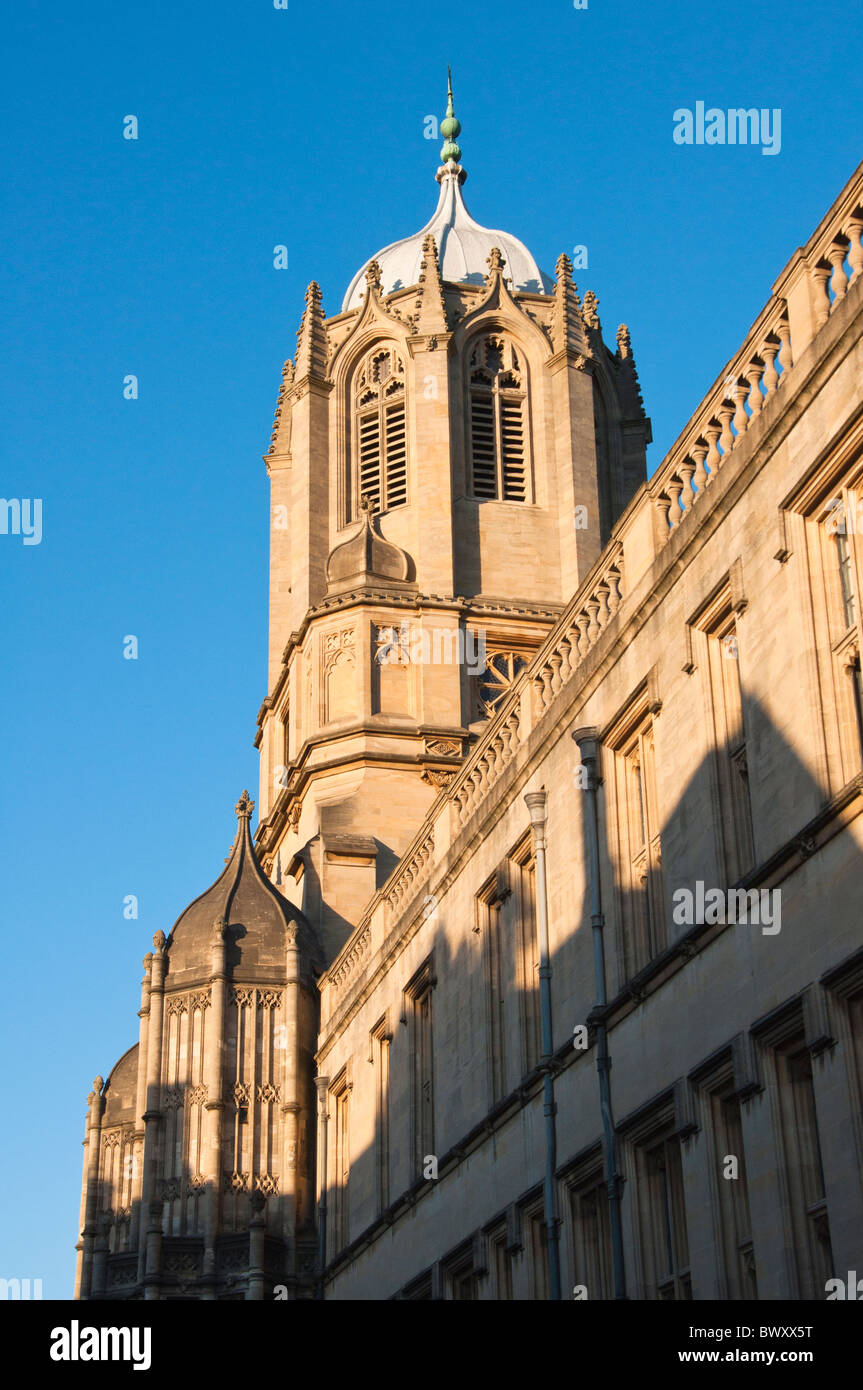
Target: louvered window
{"x": 497, "y": 423}
{"x": 381, "y": 431}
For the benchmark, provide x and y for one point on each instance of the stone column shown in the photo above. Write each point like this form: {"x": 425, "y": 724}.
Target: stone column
{"x": 96, "y": 1103}
{"x": 153, "y": 1104}
{"x": 214, "y": 1046}
{"x": 322, "y": 1087}
{"x": 153, "y": 1249}
{"x": 100, "y": 1256}
{"x": 257, "y": 1234}
{"x": 138, "y": 1226}
{"x": 290, "y": 1096}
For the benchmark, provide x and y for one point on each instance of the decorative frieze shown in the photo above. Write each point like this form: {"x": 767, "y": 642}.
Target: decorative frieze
{"x": 255, "y": 998}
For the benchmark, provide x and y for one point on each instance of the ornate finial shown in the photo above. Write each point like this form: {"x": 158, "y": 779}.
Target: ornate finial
{"x": 591, "y": 310}
{"x": 98, "y": 1083}
{"x": 311, "y": 358}
{"x": 244, "y": 807}
{"x": 450, "y": 128}
{"x": 563, "y": 269}
{"x": 159, "y": 942}
{"x": 367, "y": 504}
{"x": 567, "y": 322}
{"x": 429, "y": 313}
{"x": 495, "y": 263}
{"x": 629, "y": 386}
{"x": 373, "y": 276}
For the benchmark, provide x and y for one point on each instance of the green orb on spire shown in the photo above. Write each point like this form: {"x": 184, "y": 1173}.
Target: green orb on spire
{"x": 450, "y": 128}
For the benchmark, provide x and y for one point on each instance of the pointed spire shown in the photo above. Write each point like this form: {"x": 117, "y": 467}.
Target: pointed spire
{"x": 450, "y": 128}
{"x": 630, "y": 387}
{"x": 567, "y": 324}
{"x": 282, "y": 416}
{"x": 311, "y": 359}
{"x": 430, "y": 313}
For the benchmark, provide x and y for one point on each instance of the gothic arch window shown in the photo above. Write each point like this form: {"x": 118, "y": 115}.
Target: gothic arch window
{"x": 380, "y": 431}
{"x": 498, "y": 421}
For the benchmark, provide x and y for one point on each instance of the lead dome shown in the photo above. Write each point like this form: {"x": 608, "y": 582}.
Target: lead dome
{"x": 463, "y": 244}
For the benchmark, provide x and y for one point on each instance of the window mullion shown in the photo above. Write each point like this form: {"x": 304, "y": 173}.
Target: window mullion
{"x": 382, "y": 453}
{"x": 498, "y": 438}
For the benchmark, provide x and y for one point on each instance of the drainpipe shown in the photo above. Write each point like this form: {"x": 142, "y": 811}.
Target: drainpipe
{"x": 537, "y": 805}
{"x": 588, "y": 747}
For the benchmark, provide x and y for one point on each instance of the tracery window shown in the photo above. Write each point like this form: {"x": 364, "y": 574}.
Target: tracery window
{"x": 380, "y": 433}
{"x": 496, "y": 680}
{"x": 498, "y": 432}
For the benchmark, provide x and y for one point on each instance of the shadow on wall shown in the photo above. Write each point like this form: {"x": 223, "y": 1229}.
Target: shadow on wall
{"x": 723, "y": 1041}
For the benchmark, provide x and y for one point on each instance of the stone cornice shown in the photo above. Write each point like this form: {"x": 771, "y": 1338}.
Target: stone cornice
{"x": 381, "y": 596}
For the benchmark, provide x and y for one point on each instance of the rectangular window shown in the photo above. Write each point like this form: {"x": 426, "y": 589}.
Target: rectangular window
{"x": 396, "y": 472}
{"x": 738, "y": 1254}
{"x": 839, "y": 552}
{"x": 501, "y": 1262}
{"x": 497, "y": 444}
{"x": 802, "y": 1145}
{"x": 461, "y": 1276}
{"x": 822, "y": 518}
{"x": 341, "y": 1162}
{"x": 370, "y": 458}
{"x": 665, "y": 1234}
{"x": 855, "y": 1018}
{"x": 537, "y": 1246}
{"x": 732, "y": 758}
{"x": 497, "y": 405}
{"x": 591, "y": 1236}
{"x": 490, "y": 924}
{"x": 380, "y": 1058}
{"x": 418, "y": 1005}
{"x": 634, "y": 796}
{"x": 524, "y": 874}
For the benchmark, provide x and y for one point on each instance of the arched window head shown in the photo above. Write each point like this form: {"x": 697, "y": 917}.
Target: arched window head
{"x": 380, "y": 435}
{"x": 498, "y": 393}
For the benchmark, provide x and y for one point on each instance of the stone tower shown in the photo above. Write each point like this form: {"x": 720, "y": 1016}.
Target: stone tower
{"x": 449, "y": 454}
{"x": 199, "y": 1148}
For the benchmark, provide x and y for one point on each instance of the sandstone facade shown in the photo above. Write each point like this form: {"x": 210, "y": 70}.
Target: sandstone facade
{"x": 526, "y": 712}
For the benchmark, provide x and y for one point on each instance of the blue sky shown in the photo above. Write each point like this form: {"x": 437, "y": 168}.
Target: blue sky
{"x": 302, "y": 127}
